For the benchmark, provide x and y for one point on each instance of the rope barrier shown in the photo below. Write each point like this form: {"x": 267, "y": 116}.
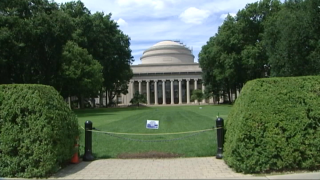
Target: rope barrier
{"x": 148, "y": 134}
{"x": 156, "y": 140}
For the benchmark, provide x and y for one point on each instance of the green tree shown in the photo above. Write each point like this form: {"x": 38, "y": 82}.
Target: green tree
{"x": 40, "y": 40}
{"x": 236, "y": 54}
{"x": 31, "y": 32}
{"x": 197, "y": 95}
{"x": 313, "y": 14}
{"x": 119, "y": 67}
{"x": 138, "y": 98}
{"x": 250, "y": 21}
{"x": 292, "y": 41}
{"x": 220, "y": 59}
{"x": 80, "y": 74}
{"x": 106, "y": 43}
{"x": 211, "y": 69}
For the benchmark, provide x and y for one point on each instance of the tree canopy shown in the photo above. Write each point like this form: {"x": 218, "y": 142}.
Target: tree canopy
{"x": 197, "y": 95}
{"x": 267, "y": 33}
{"x": 63, "y": 45}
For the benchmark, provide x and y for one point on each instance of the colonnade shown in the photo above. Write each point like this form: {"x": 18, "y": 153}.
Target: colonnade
{"x": 164, "y": 90}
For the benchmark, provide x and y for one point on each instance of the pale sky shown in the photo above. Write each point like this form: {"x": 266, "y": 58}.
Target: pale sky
{"x": 148, "y": 22}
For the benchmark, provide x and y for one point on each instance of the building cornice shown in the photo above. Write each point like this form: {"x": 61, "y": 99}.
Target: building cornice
{"x": 161, "y": 47}
{"x": 164, "y": 64}
{"x": 166, "y": 53}
{"x": 167, "y": 73}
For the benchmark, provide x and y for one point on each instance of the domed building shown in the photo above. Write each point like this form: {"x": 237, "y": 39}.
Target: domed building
{"x": 167, "y": 52}
{"x": 167, "y": 75}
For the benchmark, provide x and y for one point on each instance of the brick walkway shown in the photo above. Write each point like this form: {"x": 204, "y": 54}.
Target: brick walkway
{"x": 177, "y": 168}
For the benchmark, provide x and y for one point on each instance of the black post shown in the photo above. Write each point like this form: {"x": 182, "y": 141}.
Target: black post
{"x": 88, "y": 142}
{"x": 220, "y": 138}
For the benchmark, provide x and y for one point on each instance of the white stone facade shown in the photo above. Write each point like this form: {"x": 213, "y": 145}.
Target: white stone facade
{"x": 167, "y": 75}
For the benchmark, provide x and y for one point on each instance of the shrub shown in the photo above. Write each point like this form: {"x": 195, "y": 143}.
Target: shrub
{"x": 37, "y": 131}
{"x": 138, "y": 98}
{"x": 275, "y": 125}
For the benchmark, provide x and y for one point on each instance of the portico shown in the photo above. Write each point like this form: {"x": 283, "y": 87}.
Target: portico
{"x": 167, "y": 75}
{"x": 166, "y": 91}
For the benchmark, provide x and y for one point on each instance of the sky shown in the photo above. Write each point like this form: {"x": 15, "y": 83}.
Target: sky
{"x": 148, "y": 22}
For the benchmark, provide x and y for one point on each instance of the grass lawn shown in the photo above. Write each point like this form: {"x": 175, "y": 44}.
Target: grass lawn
{"x": 171, "y": 119}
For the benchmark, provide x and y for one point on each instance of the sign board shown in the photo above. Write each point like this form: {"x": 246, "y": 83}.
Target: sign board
{"x": 152, "y": 124}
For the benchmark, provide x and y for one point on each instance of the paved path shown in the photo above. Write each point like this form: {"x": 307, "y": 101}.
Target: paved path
{"x": 177, "y": 168}
{"x": 184, "y": 168}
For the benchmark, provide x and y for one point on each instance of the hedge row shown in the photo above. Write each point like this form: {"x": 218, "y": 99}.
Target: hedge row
{"x": 275, "y": 125}
{"x": 37, "y": 131}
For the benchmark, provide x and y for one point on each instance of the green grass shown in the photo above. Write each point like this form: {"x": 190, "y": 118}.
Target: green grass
{"x": 171, "y": 119}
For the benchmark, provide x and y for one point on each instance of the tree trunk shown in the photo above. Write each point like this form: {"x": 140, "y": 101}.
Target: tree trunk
{"x": 101, "y": 99}
{"x": 81, "y": 101}
{"x": 235, "y": 93}
{"x": 107, "y": 102}
{"x": 111, "y": 97}
{"x": 229, "y": 96}
{"x": 93, "y": 100}
{"x": 223, "y": 96}
{"x": 69, "y": 102}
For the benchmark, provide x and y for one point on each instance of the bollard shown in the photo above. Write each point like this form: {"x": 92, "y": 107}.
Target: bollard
{"x": 220, "y": 138}
{"x": 88, "y": 142}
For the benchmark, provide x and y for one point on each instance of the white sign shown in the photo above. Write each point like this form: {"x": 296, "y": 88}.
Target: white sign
{"x": 152, "y": 124}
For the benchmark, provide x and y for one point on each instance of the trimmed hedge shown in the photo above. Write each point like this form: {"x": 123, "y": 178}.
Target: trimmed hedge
{"x": 37, "y": 131}
{"x": 275, "y": 126}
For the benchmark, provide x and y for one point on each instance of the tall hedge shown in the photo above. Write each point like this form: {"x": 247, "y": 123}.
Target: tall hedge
{"x": 275, "y": 125}
{"x": 37, "y": 131}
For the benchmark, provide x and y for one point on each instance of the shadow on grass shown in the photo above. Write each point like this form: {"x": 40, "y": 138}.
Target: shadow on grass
{"x": 141, "y": 155}
{"x": 101, "y": 156}
{"x": 148, "y": 155}
{"x": 93, "y": 114}
{"x": 107, "y": 111}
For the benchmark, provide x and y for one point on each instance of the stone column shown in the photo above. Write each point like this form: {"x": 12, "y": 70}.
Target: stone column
{"x": 163, "y": 91}
{"x": 195, "y": 83}
{"x": 203, "y": 101}
{"x": 195, "y": 88}
{"x": 172, "y": 98}
{"x": 188, "y": 91}
{"x": 140, "y": 86}
{"x": 131, "y": 89}
{"x": 180, "y": 91}
{"x": 148, "y": 92}
{"x": 155, "y": 92}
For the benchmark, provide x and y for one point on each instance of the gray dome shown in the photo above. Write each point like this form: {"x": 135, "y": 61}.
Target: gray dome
{"x": 167, "y": 52}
